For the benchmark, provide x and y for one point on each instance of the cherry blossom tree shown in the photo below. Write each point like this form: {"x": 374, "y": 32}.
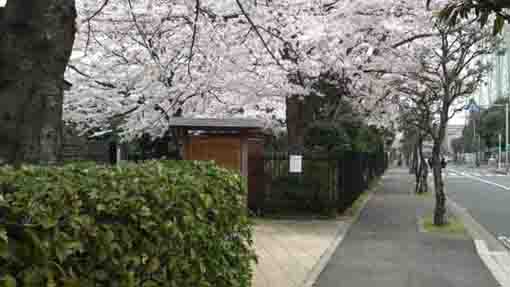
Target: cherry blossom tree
{"x": 449, "y": 70}
{"x": 137, "y": 64}
{"x": 141, "y": 63}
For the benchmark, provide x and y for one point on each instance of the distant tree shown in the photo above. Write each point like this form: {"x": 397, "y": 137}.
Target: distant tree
{"x": 415, "y": 117}
{"x": 458, "y": 147}
{"x": 492, "y": 124}
{"x": 450, "y": 70}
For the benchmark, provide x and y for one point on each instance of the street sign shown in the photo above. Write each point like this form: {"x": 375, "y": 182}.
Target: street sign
{"x": 296, "y": 164}
{"x": 472, "y": 106}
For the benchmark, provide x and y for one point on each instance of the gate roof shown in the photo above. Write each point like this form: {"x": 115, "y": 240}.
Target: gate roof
{"x": 216, "y": 123}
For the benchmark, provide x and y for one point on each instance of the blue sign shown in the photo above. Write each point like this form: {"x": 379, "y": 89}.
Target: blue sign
{"x": 472, "y": 106}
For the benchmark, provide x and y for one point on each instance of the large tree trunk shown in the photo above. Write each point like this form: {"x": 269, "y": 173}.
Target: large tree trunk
{"x": 440, "y": 208}
{"x": 296, "y": 126}
{"x": 36, "y": 40}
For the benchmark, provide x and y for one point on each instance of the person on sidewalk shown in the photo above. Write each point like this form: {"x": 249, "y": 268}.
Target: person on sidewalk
{"x": 443, "y": 163}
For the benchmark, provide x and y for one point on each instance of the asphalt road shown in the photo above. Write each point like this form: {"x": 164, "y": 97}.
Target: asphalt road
{"x": 486, "y": 196}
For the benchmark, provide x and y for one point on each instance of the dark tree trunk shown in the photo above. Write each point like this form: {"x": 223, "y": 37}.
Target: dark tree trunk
{"x": 440, "y": 208}
{"x": 36, "y": 40}
{"x": 417, "y": 167}
{"x": 296, "y": 126}
{"x": 424, "y": 171}
{"x": 413, "y": 168}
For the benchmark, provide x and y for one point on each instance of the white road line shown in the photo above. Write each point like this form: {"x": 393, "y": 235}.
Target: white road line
{"x": 505, "y": 240}
{"x": 447, "y": 175}
{"x": 490, "y": 260}
{"x": 472, "y": 176}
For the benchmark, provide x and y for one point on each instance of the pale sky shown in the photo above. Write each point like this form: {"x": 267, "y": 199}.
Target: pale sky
{"x": 458, "y": 119}
{"x": 2, "y": 3}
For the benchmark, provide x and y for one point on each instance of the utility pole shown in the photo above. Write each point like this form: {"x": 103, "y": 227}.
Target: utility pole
{"x": 499, "y": 151}
{"x": 473, "y": 144}
{"x": 506, "y": 136}
{"x": 479, "y": 150}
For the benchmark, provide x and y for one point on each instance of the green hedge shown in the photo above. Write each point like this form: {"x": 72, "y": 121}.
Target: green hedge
{"x": 153, "y": 224}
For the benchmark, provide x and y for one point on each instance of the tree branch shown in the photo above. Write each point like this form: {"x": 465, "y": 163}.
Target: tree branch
{"x": 413, "y": 38}
{"x": 104, "y": 84}
{"x": 266, "y": 46}
{"x": 105, "y": 3}
{"x": 193, "y": 38}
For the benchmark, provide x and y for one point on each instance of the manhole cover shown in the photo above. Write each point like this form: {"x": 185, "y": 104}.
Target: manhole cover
{"x": 505, "y": 240}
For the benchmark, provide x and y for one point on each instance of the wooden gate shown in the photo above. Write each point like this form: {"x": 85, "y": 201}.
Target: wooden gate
{"x": 227, "y": 151}
{"x": 224, "y": 150}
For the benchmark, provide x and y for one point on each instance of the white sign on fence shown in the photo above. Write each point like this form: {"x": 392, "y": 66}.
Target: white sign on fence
{"x": 296, "y": 163}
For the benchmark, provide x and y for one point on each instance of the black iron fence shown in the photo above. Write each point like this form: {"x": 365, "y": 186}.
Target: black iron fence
{"x": 329, "y": 182}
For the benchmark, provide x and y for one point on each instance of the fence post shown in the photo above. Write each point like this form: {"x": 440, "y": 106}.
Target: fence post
{"x": 340, "y": 184}
{"x": 360, "y": 174}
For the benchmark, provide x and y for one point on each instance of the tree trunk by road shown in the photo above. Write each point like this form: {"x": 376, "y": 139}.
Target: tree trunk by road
{"x": 440, "y": 208}
{"x": 422, "y": 186}
{"x": 417, "y": 168}
{"x": 422, "y": 168}
{"x": 36, "y": 40}
{"x": 413, "y": 168}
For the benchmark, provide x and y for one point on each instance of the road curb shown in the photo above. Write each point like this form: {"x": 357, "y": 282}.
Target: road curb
{"x": 481, "y": 240}
{"x": 490, "y": 259}
{"x": 316, "y": 271}
{"x": 481, "y": 237}
{"x": 475, "y": 229}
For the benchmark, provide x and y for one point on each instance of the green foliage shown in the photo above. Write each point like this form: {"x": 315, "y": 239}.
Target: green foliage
{"x": 368, "y": 139}
{"x": 480, "y": 10}
{"x": 490, "y": 123}
{"x": 327, "y": 136}
{"x": 354, "y": 136}
{"x": 468, "y": 143}
{"x": 154, "y": 224}
{"x": 307, "y": 192}
{"x": 458, "y": 145}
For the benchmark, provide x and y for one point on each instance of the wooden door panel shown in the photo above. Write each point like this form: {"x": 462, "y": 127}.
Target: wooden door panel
{"x": 224, "y": 150}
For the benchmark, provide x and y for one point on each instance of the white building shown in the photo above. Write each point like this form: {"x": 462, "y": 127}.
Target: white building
{"x": 497, "y": 83}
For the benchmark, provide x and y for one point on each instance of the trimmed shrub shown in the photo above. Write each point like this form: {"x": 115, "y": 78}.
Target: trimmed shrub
{"x": 153, "y": 224}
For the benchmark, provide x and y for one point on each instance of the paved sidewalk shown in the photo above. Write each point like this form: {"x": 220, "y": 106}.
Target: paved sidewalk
{"x": 384, "y": 247}
{"x": 288, "y": 250}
